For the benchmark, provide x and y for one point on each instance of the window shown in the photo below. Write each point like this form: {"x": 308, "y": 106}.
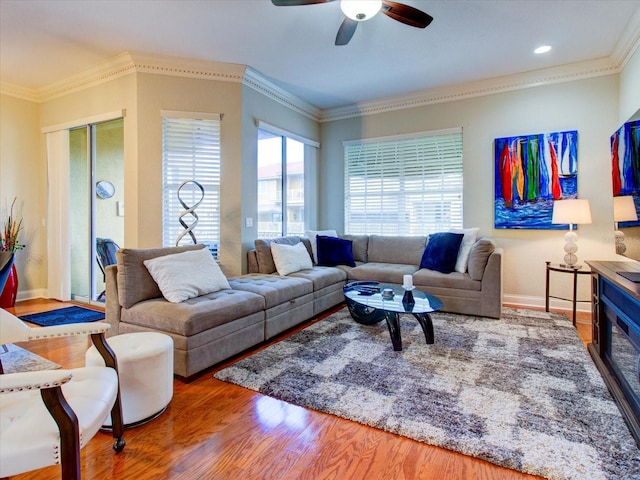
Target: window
{"x": 405, "y": 185}
{"x": 281, "y": 185}
{"x": 191, "y": 151}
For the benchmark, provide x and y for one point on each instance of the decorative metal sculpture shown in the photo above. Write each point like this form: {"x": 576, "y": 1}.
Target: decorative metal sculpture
{"x": 188, "y": 229}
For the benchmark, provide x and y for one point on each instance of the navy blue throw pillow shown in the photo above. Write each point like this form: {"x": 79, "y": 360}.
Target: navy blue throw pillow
{"x": 441, "y": 252}
{"x": 334, "y": 251}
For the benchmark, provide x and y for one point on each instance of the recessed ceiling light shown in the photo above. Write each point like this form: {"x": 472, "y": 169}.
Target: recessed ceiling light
{"x": 542, "y": 49}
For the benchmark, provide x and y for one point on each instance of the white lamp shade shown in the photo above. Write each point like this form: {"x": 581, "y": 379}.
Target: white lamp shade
{"x": 571, "y": 211}
{"x": 360, "y": 10}
{"x": 624, "y": 210}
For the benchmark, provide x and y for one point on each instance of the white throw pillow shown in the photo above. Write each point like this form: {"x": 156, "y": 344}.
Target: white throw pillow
{"x": 185, "y": 275}
{"x": 470, "y": 235}
{"x": 290, "y": 258}
{"x": 312, "y": 234}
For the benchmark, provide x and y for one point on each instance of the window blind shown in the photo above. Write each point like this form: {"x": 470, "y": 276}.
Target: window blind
{"x": 191, "y": 151}
{"x": 404, "y": 186}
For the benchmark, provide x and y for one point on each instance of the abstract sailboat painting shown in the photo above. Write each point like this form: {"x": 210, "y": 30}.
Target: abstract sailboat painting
{"x": 532, "y": 171}
{"x": 625, "y": 165}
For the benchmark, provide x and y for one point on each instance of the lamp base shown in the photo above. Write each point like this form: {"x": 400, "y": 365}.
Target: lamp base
{"x": 573, "y": 267}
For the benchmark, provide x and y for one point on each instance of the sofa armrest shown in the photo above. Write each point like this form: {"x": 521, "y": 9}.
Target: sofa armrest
{"x": 112, "y": 307}
{"x": 492, "y": 285}
{"x": 252, "y": 261}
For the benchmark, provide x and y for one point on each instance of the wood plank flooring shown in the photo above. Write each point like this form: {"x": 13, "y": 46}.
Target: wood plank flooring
{"x": 215, "y": 430}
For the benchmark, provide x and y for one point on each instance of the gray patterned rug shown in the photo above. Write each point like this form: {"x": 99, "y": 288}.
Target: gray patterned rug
{"x": 17, "y": 359}
{"x": 521, "y": 391}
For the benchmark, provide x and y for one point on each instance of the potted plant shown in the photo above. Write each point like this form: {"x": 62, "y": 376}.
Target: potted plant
{"x": 9, "y": 244}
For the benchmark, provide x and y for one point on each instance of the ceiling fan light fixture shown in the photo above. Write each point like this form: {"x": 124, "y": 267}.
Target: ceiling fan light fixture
{"x": 360, "y": 10}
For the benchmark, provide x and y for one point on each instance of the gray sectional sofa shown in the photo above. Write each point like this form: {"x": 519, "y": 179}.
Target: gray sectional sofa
{"x": 261, "y": 304}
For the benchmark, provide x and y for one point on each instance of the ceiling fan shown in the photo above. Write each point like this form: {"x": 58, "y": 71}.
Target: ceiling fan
{"x": 356, "y": 11}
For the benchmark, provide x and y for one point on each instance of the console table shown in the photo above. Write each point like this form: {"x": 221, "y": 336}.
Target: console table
{"x": 615, "y": 346}
{"x": 575, "y": 271}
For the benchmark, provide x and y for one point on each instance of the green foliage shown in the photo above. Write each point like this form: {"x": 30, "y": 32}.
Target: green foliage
{"x": 11, "y": 228}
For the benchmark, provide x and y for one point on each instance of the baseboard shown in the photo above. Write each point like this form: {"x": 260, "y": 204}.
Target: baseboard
{"x": 32, "y": 294}
{"x": 524, "y": 301}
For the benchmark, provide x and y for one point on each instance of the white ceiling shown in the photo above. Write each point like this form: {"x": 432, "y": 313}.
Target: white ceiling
{"x": 46, "y": 41}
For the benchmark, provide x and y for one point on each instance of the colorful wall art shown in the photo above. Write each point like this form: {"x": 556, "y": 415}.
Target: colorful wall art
{"x": 532, "y": 171}
{"x": 625, "y": 165}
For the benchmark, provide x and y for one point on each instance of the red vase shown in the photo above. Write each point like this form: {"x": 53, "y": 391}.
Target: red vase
{"x": 10, "y": 292}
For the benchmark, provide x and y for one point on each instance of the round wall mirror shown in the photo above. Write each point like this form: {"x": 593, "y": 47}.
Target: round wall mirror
{"x": 105, "y": 189}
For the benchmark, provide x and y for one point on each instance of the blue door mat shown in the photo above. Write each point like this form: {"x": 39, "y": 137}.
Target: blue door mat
{"x": 63, "y": 316}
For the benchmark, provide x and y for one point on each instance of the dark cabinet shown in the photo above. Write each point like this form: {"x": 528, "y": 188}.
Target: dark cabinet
{"x": 615, "y": 347}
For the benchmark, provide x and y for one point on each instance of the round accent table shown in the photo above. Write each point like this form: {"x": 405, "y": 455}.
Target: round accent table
{"x": 575, "y": 271}
{"x": 145, "y": 369}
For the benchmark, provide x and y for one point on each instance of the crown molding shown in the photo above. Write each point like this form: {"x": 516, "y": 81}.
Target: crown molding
{"x": 135, "y": 62}
{"x": 565, "y": 73}
{"x": 256, "y": 81}
{"x": 624, "y": 50}
{"x": 628, "y": 43}
{"x": 188, "y": 68}
{"x": 17, "y": 91}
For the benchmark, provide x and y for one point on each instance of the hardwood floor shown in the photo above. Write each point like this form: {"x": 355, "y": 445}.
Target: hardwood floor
{"x": 215, "y": 430}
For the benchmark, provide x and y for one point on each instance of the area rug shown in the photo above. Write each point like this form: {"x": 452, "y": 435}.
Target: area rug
{"x": 63, "y": 316}
{"x": 17, "y": 359}
{"x": 520, "y": 391}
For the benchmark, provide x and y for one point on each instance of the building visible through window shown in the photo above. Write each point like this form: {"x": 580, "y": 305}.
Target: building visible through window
{"x": 281, "y": 206}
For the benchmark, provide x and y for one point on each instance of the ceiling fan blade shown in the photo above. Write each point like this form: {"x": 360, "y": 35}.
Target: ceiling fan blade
{"x": 346, "y": 31}
{"x": 291, "y": 3}
{"x": 406, "y": 14}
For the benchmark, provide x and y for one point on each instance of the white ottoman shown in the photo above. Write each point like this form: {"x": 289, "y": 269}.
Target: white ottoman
{"x": 145, "y": 367}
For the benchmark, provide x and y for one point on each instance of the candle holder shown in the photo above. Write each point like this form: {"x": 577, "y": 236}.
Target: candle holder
{"x": 407, "y": 300}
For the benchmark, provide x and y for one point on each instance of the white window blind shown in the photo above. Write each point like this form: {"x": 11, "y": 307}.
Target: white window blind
{"x": 404, "y": 186}
{"x": 191, "y": 151}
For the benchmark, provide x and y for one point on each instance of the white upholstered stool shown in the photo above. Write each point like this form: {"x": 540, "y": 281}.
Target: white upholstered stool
{"x": 145, "y": 367}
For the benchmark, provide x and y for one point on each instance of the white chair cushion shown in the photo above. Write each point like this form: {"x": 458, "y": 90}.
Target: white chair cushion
{"x": 29, "y": 437}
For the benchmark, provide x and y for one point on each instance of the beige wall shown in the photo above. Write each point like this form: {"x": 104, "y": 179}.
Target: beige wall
{"x": 21, "y": 175}
{"x": 593, "y": 107}
{"x": 590, "y": 106}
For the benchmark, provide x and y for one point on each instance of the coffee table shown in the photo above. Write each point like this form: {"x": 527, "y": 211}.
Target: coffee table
{"x": 367, "y": 306}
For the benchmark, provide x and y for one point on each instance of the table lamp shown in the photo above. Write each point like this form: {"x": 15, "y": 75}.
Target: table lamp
{"x": 624, "y": 210}
{"x": 571, "y": 211}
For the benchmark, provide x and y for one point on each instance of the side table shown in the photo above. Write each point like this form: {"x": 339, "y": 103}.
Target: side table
{"x": 575, "y": 271}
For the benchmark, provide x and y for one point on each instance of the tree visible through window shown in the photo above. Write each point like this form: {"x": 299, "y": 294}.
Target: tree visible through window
{"x": 191, "y": 151}
{"x": 409, "y": 185}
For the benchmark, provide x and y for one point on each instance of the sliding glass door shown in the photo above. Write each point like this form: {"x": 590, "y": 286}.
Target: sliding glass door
{"x": 96, "y": 197}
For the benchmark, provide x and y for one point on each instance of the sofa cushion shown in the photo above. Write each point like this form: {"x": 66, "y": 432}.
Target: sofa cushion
{"x": 470, "y": 236}
{"x": 479, "y": 256}
{"x": 274, "y": 288}
{"x": 290, "y": 258}
{"x": 312, "y": 236}
{"x": 441, "y": 252}
{"x": 194, "y": 315}
{"x": 359, "y": 246}
{"x": 453, "y": 280}
{"x": 382, "y": 272}
{"x": 407, "y": 250}
{"x": 135, "y": 283}
{"x": 322, "y": 277}
{"x": 334, "y": 251}
{"x": 186, "y": 275}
